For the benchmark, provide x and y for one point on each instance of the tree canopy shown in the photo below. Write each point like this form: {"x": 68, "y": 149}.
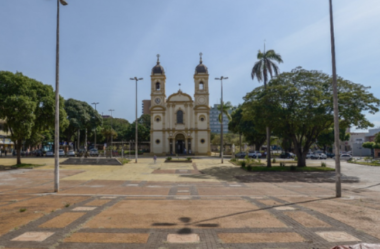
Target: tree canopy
{"x": 81, "y": 116}
{"x": 28, "y": 107}
{"x": 299, "y": 105}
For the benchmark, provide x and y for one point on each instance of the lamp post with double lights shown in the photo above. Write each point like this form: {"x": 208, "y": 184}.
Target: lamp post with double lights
{"x": 221, "y": 114}
{"x": 338, "y": 183}
{"x": 56, "y": 120}
{"x": 136, "y": 147}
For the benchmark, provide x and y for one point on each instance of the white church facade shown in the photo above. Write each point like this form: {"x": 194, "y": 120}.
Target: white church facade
{"x": 179, "y": 123}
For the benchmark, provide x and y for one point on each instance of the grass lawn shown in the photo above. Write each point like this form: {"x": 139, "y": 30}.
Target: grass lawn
{"x": 366, "y": 163}
{"x": 287, "y": 168}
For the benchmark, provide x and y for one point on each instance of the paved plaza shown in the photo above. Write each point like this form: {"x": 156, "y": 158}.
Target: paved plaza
{"x": 202, "y": 204}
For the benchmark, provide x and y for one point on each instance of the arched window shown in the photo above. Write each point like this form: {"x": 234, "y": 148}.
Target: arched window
{"x": 158, "y": 87}
{"x": 201, "y": 85}
{"x": 179, "y": 117}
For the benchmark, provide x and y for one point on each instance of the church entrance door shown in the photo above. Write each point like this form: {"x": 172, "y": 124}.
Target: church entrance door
{"x": 180, "y": 144}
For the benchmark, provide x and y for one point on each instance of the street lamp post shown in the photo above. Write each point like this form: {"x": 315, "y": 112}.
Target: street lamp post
{"x": 136, "y": 148}
{"x": 111, "y": 110}
{"x": 338, "y": 185}
{"x": 221, "y": 113}
{"x": 95, "y": 103}
{"x": 56, "y": 121}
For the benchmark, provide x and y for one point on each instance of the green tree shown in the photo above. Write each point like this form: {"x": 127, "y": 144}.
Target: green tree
{"x": 299, "y": 105}
{"x": 119, "y": 125}
{"x": 264, "y": 67}
{"x": 326, "y": 138}
{"x": 28, "y": 107}
{"x": 226, "y": 111}
{"x": 81, "y": 116}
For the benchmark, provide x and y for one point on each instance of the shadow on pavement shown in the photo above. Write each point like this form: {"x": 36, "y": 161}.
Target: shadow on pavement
{"x": 234, "y": 173}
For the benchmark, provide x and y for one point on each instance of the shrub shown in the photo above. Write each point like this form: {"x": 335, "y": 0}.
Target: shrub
{"x": 22, "y": 210}
{"x": 274, "y": 160}
{"x": 243, "y": 164}
{"x": 293, "y": 168}
{"x": 233, "y": 160}
{"x": 169, "y": 158}
{"x": 282, "y": 164}
{"x": 188, "y": 159}
{"x": 67, "y": 205}
{"x": 249, "y": 168}
{"x": 323, "y": 164}
{"x": 295, "y": 159}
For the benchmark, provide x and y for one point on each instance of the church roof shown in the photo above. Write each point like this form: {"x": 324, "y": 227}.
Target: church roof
{"x": 158, "y": 69}
{"x": 201, "y": 68}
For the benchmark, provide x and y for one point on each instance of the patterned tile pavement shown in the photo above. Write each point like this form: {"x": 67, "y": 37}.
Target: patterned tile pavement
{"x": 210, "y": 212}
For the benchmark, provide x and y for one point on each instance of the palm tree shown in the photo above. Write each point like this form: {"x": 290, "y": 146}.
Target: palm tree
{"x": 260, "y": 70}
{"x": 226, "y": 111}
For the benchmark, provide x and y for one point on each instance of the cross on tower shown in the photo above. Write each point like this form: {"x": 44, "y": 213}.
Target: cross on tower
{"x": 200, "y": 54}
{"x": 179, "y": 86}
{"x": 158, "y": 58}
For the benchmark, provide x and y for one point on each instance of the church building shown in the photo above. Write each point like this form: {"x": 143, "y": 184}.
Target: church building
{"x": 179, "y": 123}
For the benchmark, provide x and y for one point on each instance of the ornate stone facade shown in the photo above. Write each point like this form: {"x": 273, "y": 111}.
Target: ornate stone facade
{"x": 180, "y": 125}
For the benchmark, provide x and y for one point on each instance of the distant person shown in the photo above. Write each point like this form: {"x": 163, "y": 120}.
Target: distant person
{"x": 5, "y": 151}
{"x": 184, "y": 151}
{"x": 189, "y": 151}
{"x": 155, "y": 158}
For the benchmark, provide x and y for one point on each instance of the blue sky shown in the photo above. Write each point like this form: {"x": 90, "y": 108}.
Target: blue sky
{"x": 104, "y": 43}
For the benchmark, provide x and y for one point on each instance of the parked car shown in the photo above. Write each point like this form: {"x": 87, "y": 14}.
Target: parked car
{"x": 287, "y": 155}
{"x": 50, "y": 153}
{"x": 330, "y": 155}
{"x": 318, "y": 156}
{"x": 93, "y": 152}
{"x": 345, "y": 157}
{"x": 240, "y": 155}
{"x": 308, "y": 155}
{"x": 70, "y": 153}
{"x": 39, "y": 153}
{"x": 61, "y": 153}
{"x": 254, "y": 154}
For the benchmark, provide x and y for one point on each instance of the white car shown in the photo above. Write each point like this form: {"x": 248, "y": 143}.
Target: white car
{"x": 308, "y": 155}
{"x": 61, "y": 153}
{"x": 50, "y": 153}
{"x": 254, "y": 154}
{"x": 345, "y": 157}
{"x": 70, "y": 153}
{"x": 322, "y": 156}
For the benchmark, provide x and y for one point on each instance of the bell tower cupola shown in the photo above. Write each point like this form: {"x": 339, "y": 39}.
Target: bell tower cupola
{"x": 158, "y": 82}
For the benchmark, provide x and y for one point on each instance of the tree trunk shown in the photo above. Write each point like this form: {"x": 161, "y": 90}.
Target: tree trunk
{"x": 78, "y": 139}
{"x": 18, "y": 150}
{"x": 301, "y": 160}
{"x": 85, "y": 139}
{"x": 240, "y": 141}
{"x": 269, "y": 163}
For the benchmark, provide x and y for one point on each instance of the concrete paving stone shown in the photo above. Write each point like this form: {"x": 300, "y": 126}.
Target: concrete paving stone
{"x": 62, "y": 220}
{"x": 97, "y": 203}
{"x": 306, "y": 219}
{"x": 283, "y": 208}
{"x": 84, "y": 208}
{"x": 158, "y": 213}
{"x": 260, "y": 237}
{"x": 136, "y": 238}
{"x": 183, "y": 191}
{"x": 33, "y": 236}
{"x": 183, "y": 238}
{"x": 337, "y": 236}
{"x": 108, "y": 197}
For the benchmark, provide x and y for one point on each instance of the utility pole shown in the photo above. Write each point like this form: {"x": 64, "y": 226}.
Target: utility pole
{"x": 221, "y": 113}
{"x": 136, "y": 131}
{"x": 56, "y": 120}
{"x": 338, "y": 186}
